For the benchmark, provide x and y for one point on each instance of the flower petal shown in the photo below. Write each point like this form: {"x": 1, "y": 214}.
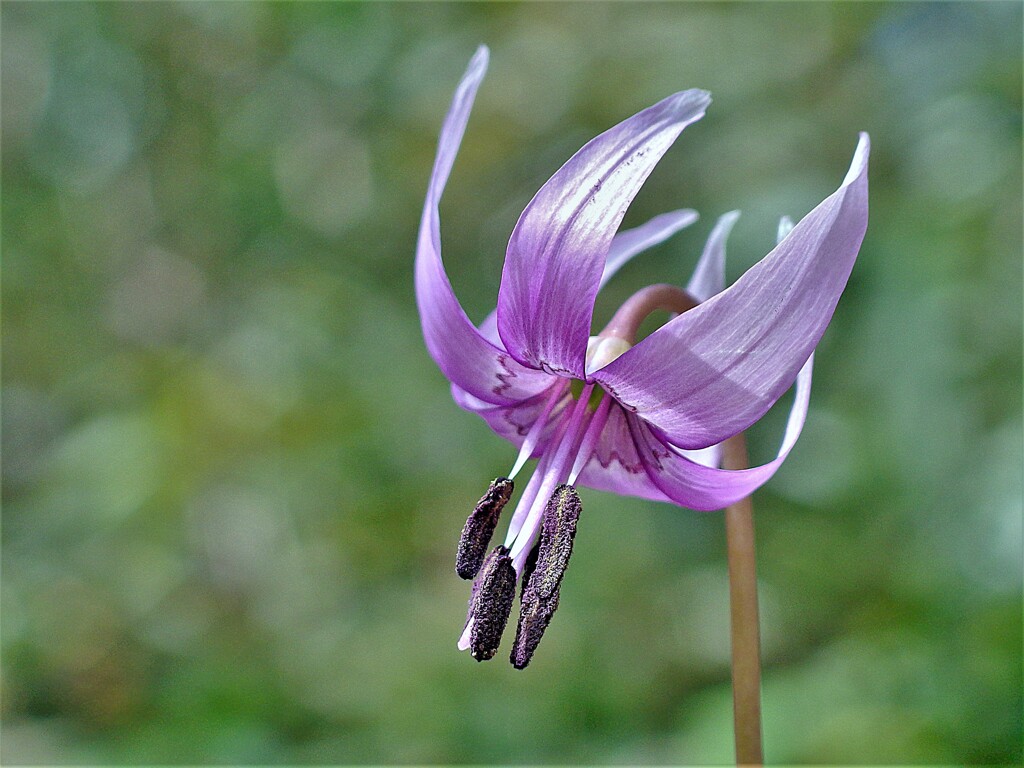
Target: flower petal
{"x": 557, "y": 251}
{"x": 708, "y": 457}
{"x": 616, "y": 465}
{"x": 625, "y": 245}
{"x": 704, "y": 488}
{"x": 629, "y": 242}
{"x": 513, "y": 422}
{"x": 468, "y": 359}
{"x": 709, "y": 276}
{"x": 713, "y": 371}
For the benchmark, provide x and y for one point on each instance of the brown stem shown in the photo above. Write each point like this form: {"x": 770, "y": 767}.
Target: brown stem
{"x": 626, "y": 321}
{"x": 739, "y": 535}
{"x": 746, "y": 641}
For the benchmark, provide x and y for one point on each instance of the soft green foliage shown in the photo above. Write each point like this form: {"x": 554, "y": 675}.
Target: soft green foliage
{"x": 233, "y": 480}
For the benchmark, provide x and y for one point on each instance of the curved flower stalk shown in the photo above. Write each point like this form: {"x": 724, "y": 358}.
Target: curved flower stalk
{"x": 643, "y": 418}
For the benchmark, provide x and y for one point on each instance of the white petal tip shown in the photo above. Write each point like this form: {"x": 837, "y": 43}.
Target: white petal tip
{"x": 726, "y": 221}
{"x": 689, "y": 105}
{"x": 697, "y": 94}
{"x": 478, "y": 64}
{"x": 785, "y": 227}
{"x": 684, "y": 216}
{"x": 673, "y": 221}
{"x": 860, "y": 159}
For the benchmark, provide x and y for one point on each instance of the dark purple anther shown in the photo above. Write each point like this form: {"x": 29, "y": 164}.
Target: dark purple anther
{"x": 559, "y": 529}
{"x": 477, "y": 532}
{"x": 528, "y": 567}
{"x": 539, "y": 599}
{"x": 492, "y": 604}
{"x": 534, "y": 616}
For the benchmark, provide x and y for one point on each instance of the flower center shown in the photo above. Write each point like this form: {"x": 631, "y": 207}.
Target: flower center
{"x": 543, "y": 526}
{"x": 544, "y": 522}
{"x": 601, "y": 350}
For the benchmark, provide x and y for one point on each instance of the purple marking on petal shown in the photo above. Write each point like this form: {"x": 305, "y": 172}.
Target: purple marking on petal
{"x": 713, "y": 371}
{"x": 513, "y": 422}
{"x": 557, "y": 251}
{"x": 467, "y": 358}
{"x": 615, "y": 465}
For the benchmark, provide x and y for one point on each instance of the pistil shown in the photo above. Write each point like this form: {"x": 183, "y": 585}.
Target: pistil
{"x": 590, "y": 438}
{"x": 526, "y": 451}
{"x": 529, "y": 495}
{"x": 555, "y": 474}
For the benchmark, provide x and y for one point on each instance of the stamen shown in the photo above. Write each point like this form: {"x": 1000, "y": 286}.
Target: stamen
{"x": 560, "y": 519}
{"x": 593, "y": 434}
{"x": 534, "y": 617}
{"x": 492, "y": 605}
{"x": 526, "y": 451}
{"x": 554, "y": 473}
{"x": 541, "y": 585}
{"x": 529, "y": 495}
{"x": 477, "y": 532}
{"x": 528, "y": 568}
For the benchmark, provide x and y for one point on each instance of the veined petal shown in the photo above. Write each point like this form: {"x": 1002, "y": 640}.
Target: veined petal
{"x": 557, "y": 251}
{"x": 709, "y": 276}
{"x": 616, "y": 465}
{"x": 704, "y": 488}
{"x": 468, "y": 359}
{"x": 713, "y": 371}
{"x": 513, "y": 422}
{"x": 625, "y": 245}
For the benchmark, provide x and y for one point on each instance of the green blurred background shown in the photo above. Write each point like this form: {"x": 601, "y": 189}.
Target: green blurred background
{"x": 233, "y": 479}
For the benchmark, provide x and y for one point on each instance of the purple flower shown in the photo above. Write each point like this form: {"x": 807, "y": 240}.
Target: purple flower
{"x": 637, "y": 418}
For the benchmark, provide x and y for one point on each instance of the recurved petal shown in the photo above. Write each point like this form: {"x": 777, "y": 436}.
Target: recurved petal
{"x": 694, "y": 485}
{"x": 557, "y": 251}
{"x": 709, "y": 276}
{"x": 468, "y": 359}
{"x": 629, "y": 242}
{"x": 625, "y": 245}
{"x": 711, "y": 372}
{"x": 708, "y": 457}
